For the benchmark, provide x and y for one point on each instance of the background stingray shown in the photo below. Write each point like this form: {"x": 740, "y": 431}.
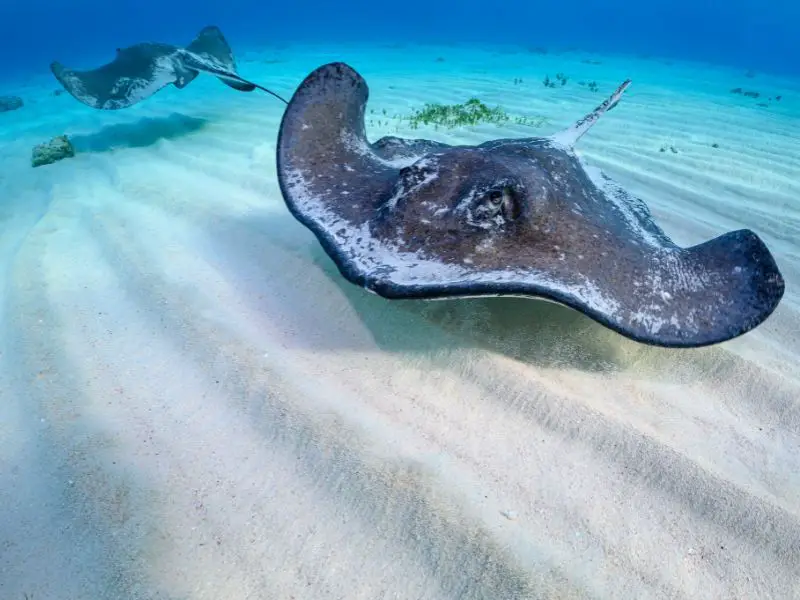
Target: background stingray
{"x": 422, "y": 219}
{"x": 139, "y": 71}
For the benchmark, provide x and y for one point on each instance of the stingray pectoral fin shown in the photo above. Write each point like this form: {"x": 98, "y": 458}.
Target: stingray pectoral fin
{"x": 671, "y": 297}
{"x": 135, "y": 74}
{"x": 330, "y": 176}
{"x": 85, "y": 87}
{"x": 325, "y": 118}
{"x": 185, "y": 77}
{"x": 697, "y": 296}
{"x": 211, "y": 42}
{"x": 212, "y": 49}
{"x": 96, "y": 87}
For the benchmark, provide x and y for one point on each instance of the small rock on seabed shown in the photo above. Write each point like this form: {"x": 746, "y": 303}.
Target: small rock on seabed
{"x": 56, "y": 149}
{"x": 9, "y": 103}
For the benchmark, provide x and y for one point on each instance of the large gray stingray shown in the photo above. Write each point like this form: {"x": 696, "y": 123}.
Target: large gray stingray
{"x": 524, "y": 217}
{"x": 139, "y": 71}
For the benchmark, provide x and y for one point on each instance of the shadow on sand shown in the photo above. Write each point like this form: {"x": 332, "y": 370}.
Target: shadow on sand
{"x": 531, "y": 331}
{"x": 527, "y": 330}
{"x": 141, "y": 133}
{"x": 73, "y": 517}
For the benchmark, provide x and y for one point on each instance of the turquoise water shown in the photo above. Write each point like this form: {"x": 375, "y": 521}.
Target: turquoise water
{"x": 744, "y": 33}
{"x": 744, "y": 36}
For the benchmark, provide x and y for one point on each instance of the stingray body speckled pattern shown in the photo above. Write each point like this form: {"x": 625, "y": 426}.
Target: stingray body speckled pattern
{"x": 522, "y": 217}
{"x": 139, "y": 71}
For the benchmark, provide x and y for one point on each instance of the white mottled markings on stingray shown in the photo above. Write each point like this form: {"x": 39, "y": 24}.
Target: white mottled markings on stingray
{"x": 656, "y": 316}
{"x": 463, "y": 205}
{"x": 78, "y": 89}
{"x": 372, "y": 257}
{"x": 426, "y": 170}
{"x": 132, "y": 90}
{"x": 358, "y": 145}
{"x": 633, "y": 210}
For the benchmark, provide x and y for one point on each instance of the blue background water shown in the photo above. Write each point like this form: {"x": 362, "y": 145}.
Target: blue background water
{"x": 750, "y": 34}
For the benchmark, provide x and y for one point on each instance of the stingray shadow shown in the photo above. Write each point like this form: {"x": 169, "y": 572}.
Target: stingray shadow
{"x": 550, "y": 335}
{"x": 525, "y": 329}
{"x": 144, "y": 132}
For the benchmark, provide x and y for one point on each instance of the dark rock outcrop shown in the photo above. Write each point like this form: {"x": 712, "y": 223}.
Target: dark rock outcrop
{"x": 9, "y": 103}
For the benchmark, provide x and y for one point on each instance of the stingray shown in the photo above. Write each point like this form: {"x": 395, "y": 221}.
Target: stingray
{"x": 415, "y": 218}
{"x": 139, "y": 71}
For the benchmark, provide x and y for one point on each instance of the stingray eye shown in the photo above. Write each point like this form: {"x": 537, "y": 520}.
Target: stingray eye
{"x": 494, "y": 207}
{"x": 510, "y": 204}
{"x": 503, "y": 201}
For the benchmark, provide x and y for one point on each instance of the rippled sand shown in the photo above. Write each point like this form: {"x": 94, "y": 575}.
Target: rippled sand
{"x": 195, "y": 405}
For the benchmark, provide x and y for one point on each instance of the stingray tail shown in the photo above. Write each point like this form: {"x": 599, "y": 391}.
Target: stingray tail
{"x": 568, "y": 137}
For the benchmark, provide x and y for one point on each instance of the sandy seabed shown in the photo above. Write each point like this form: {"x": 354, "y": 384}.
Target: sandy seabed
{"x": 195, "y": 405}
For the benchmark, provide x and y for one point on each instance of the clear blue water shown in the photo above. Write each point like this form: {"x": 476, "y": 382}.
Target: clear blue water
{"x": 750, "y": 34}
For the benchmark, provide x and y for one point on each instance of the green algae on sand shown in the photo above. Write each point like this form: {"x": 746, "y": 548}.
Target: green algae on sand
{"x": 471, "y": 112}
